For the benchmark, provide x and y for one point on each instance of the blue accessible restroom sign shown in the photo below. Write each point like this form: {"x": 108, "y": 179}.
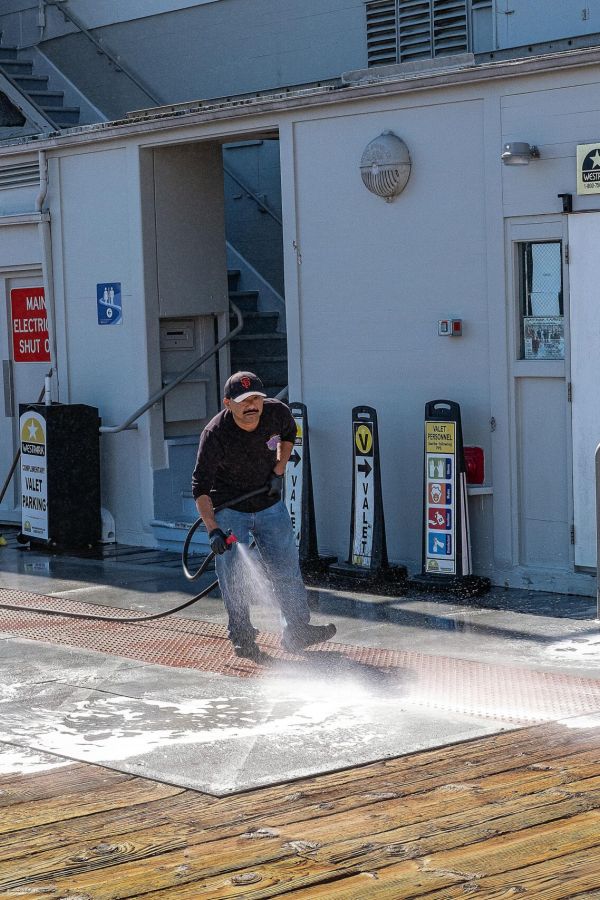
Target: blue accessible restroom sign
{"x": 110, "y": 309}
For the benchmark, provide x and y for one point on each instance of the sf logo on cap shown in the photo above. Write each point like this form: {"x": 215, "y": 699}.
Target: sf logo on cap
{"x": 245, "y": 382}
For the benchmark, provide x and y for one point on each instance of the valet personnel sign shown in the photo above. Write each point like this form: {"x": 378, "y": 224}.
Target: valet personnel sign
{"x": 440, "y": 497}
{"x": 34, "y": 476}
{"x": 29, "y": 325}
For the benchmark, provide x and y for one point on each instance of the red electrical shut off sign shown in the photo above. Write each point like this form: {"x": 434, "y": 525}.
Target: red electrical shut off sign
{"x": 29, "y": 325}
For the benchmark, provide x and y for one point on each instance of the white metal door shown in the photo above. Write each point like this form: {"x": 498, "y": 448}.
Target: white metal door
{"x": 22, "y": 383}
{"x": 584, "y": 279}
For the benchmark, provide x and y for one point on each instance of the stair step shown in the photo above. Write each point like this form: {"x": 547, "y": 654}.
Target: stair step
{"x": 255, "y": 346}
{"x": 257, "y": 322}
{"x": 7, "y": 53}
{"x": 233, "y": 278}
{"x": 63, "y": 115}
{"x": 48, "y": 99}
{"x": 271, "y": 370}
{"x": 31, "y": 83}
{"x": 246, "y": 300}
{"x": 17, "y": 66}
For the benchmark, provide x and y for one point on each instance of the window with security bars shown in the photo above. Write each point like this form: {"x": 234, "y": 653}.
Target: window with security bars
{"x": 541, "y": 300}
{"x": 406, "y": 30}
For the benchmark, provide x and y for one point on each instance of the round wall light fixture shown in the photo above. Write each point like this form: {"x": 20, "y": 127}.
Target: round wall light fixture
{"x": 385, "y": 166}
{"x": 519, "y": 153}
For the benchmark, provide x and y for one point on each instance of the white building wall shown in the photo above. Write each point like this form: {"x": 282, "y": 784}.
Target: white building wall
{"x": 373, "y": 282}
{"x": 366, "y": 283}
{"x": 97, "y": 238}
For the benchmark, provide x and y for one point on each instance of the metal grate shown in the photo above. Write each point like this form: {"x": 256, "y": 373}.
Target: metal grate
{"x": 458, "y": 685}
{"x": 19, "y": 175}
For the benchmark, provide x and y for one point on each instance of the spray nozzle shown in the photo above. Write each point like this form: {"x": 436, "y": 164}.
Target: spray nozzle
{"x": 231, "y": 538}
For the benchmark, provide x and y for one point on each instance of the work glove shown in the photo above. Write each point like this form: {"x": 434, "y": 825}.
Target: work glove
{"x": 275, "y": 485}
{"x": 218, "y": 541}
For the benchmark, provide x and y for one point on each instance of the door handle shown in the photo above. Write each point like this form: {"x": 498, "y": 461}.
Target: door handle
{"x": 7, "y": 378}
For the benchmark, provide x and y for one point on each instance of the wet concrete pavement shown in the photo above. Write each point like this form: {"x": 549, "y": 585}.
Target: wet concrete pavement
{"x": 219, "y": 733}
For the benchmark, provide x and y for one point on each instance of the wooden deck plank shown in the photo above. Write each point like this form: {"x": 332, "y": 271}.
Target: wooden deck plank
{"x": 86, "y": 855}
{"x": 65, "y": 771}
{"x": 70, "y": 780}
{"x": 71, "y": 806}
{"x": 107, "y": 826}
{"x": 562, "y": 878}
{"x": 509, "y": 809}
{"x": 382, "y": 848}
{"x": 296, "y": 879}
{"x": 381, "y": 819}
{"x": 379, "y": 853}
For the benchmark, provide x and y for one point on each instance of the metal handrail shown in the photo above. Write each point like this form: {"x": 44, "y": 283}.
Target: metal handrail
{"x": 60, "y": 5}
{"x": 254, "y": 196}
{"x": 115, "y": 429}
{"x": 17, "y": 455}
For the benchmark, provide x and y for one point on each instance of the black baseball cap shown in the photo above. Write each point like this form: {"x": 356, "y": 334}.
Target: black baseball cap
{"x": 242, "y": 385}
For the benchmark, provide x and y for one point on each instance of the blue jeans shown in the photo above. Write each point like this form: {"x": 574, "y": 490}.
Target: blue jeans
{"x": 272, "y": 530}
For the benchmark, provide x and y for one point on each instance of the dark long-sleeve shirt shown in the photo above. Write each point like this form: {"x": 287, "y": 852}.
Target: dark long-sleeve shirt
{"x": 231, "y": 461}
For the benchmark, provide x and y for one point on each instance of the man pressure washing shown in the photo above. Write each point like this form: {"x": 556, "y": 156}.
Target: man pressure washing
{"x": 246, "y": 447}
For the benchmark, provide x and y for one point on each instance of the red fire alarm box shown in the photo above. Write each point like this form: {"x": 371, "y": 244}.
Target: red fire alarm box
{"x": 474, "y": 462}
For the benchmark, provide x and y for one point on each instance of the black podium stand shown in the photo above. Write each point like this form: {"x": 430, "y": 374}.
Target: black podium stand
{"x": 60, "y": 474}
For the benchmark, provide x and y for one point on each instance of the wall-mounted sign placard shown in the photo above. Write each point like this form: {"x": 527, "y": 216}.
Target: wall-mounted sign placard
{"x": 588, "y": 168}
{"x": 29, "y": 325}
{"x": 110, "y": 306}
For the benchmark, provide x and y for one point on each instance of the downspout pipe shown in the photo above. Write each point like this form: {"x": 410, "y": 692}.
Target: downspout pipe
{"x": 47, "y": 269}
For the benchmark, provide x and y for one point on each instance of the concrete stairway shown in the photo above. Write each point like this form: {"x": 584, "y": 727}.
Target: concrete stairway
{"x": 35, "y": 88}
{"x": 259, "y": 347}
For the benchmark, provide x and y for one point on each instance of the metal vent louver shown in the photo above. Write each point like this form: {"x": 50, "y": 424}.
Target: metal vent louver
{"x": 407, "y": 30}
{"x": 385, "y": 166}
{"x": 414, "y": 29}
{"x": 450, "y": 33}
{"x": 19, "y": 175}
{"x": 382, "y": 38}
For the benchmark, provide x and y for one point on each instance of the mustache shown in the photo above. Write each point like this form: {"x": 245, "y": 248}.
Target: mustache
{"x": 248, "y": 412}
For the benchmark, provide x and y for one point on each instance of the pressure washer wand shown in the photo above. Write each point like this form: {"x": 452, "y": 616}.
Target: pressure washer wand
{"x": 191, "y": 576}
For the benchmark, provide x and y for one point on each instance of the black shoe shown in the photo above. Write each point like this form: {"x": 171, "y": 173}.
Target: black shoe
{"x": 307, "y": 636}
{"x": 248, "y": 650}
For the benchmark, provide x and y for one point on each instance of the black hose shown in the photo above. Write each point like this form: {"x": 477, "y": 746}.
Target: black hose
{"x": 169, "y": 612}
{"x": 161, "y": 615}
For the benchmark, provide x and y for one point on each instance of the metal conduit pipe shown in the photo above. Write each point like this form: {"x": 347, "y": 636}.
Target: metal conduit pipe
{"x": 597, "y": 463}
{"x": 47, "y": 267}
{"x": 17, "y": 456}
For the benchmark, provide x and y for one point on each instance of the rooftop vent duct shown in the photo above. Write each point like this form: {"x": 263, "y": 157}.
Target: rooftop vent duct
{"x": 385, "y": 166}
{"x": 20, "y": 175}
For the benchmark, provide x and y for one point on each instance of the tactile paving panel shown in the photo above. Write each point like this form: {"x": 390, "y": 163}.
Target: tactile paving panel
{"x": 436, "y": 682}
